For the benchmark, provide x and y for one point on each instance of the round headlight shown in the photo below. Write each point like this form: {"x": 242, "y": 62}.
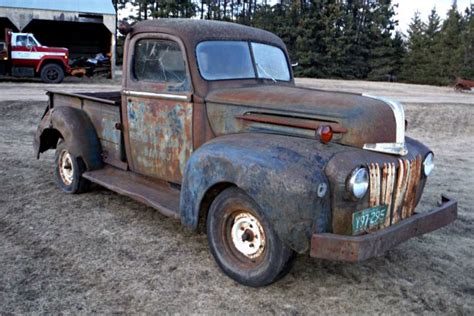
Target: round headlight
{"x": 428, "y": 164}
{"x": 358, "y": 182}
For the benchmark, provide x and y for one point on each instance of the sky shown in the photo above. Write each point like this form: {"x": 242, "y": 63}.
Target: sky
{"x": 407, "y": 8}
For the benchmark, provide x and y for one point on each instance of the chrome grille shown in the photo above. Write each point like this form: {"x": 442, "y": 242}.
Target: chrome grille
{"x": 395, "y": 187}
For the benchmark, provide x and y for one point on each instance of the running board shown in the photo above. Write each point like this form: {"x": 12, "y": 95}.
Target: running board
{"x": 155, "y": 193}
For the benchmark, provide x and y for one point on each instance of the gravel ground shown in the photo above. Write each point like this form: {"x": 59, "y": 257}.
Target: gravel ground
{"x": 100, "y": 252}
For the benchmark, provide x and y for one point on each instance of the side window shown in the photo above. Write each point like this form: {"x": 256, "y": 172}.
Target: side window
{"x": 21, "y": 40}
{"x": 160, "y": 61}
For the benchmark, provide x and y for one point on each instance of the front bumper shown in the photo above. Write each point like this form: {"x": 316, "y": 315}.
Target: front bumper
{"x": 359, "y": 248}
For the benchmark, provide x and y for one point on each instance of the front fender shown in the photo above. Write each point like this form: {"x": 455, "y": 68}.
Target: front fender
{"x": 280, "y": 173}
{"x": 75, "y": 128}
{"x": 59, "y": 59}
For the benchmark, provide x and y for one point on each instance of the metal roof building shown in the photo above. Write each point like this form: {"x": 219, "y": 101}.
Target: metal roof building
{"x": 85, "y": 27}
{"x": 87, "y": 6}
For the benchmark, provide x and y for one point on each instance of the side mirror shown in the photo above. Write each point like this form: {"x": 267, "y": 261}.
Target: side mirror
{"x": 124, "y": 27}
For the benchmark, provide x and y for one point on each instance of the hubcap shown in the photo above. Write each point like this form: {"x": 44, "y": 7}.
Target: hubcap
{"x": 248, "y": 235}
{"x": 52, "y": 74}
{"x": 66, "y": 168}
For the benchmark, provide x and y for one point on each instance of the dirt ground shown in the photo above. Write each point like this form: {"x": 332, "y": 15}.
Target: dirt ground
{"x": 100, "y": 252}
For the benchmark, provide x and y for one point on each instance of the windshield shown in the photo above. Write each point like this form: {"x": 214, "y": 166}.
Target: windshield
{"x": 32, "y": 41}
{"x": 220, "y": 60}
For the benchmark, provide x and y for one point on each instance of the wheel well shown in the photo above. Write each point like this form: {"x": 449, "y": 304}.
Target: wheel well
{"x": 49, "y": 139}
{"x": 207, "y": 200}
{"x": 51, "y": 61}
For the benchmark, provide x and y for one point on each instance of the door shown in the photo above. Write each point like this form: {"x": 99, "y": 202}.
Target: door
{"x": 24, "y": 51}
{"x": 156, "y": 107}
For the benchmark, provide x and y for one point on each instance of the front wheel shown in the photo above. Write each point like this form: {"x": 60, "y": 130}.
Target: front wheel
{"x": 52, "y": 73}
{"x": 243, "y": 242}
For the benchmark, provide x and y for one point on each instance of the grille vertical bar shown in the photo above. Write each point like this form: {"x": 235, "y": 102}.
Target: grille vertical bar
{"x": 389, "y": 183}
{"x": 395, "y": 187}
{"x": 374, "y": 185}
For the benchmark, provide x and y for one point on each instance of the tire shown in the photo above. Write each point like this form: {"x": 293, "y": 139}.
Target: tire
{"x": 68, "y": 171}
{"x": 52, "y": 73}
{"x": 233, "y": 217}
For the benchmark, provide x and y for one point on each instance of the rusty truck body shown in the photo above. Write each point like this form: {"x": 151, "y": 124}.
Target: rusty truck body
{"x": 210, "y": 129}
{"x": 463, "y": 84}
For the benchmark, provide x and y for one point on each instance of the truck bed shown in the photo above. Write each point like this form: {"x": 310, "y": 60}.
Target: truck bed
{"x": 103, "y": 109}
{"x": 110, "y": 98}
{"x": 113, "y": 96}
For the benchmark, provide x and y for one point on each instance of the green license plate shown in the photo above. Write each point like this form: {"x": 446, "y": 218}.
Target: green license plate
{"x": 369, "y": 218}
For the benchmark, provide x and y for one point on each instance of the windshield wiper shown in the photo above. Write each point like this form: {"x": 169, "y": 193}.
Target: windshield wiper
{"x": 265, "y": 72}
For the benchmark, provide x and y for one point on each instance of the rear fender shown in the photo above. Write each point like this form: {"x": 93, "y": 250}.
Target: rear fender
{"x": 75, "y": 128}
{"x": 281, "y": 174}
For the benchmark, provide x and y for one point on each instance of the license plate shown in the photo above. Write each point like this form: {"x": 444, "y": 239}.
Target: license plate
{"x": 369, "y": 218}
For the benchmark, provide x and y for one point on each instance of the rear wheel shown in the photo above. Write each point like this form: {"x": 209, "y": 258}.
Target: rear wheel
{"x": 52, "y": 73}
{"x": 243, "y": 242}
{"x": 68, "y": 171}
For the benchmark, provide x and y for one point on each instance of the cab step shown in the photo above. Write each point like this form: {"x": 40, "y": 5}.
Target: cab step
{"x": 155, "y": 193}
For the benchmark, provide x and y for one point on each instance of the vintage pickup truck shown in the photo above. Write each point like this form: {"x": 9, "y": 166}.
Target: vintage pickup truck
{"x": 209, "y": 128}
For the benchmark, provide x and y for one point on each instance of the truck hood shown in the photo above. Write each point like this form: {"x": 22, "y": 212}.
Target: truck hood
{"x": 357, "y": 120}
{"x": 53, "y": 49}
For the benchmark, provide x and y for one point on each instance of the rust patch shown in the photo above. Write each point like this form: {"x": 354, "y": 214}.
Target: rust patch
{"x": 416, "y": 182}
{"x": 389, "y": 176}
{"x": 463, "y": 84}
{"x": 395, "y": 188}
{"x": 406, "y": 193}
{"x": 160, "y": 133}
{"x": 291, "y": 122}
{"x": 359, "y": 248}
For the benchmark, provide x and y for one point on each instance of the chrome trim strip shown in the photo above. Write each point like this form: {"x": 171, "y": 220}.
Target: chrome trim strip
{"x": 389, "y": 148}
{"x": 399, "y": 114}
{"x": 178, "y": 97}
{"x": 398, "y": 147}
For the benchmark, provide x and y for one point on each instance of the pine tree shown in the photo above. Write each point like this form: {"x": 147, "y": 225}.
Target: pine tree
{"x": 431, "y": 70}
{"x": 415, "y": 60}
{"x": 382, "y": 51}
{"x": 173, "y": 9}
{"x": 399, "y": 52}
{"x": 467, "y": 69}
{"x": 450, "y": 46}
{"x": 356, "y": 40}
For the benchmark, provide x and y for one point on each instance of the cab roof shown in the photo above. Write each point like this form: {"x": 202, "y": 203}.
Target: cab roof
{"x": 193, "y": 31}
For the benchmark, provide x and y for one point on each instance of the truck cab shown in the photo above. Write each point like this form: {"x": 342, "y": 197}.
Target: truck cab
{"x": 24, "y": 56}
{"x": 209, "y": 128}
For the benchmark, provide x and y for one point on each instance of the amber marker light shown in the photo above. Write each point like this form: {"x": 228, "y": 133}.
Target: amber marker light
{"x": 324, "y": 133}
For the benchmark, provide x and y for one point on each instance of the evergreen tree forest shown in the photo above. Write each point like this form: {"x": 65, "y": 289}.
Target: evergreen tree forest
{"x": 344, "y": 39}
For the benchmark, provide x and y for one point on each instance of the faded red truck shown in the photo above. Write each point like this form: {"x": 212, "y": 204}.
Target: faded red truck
{"x": 22, "y": 55}
{"x": 209, "y": 128}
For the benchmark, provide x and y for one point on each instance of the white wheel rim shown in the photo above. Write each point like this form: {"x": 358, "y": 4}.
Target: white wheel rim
{"x": 66, "y": 168}
{"x": 248, "y": 235}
